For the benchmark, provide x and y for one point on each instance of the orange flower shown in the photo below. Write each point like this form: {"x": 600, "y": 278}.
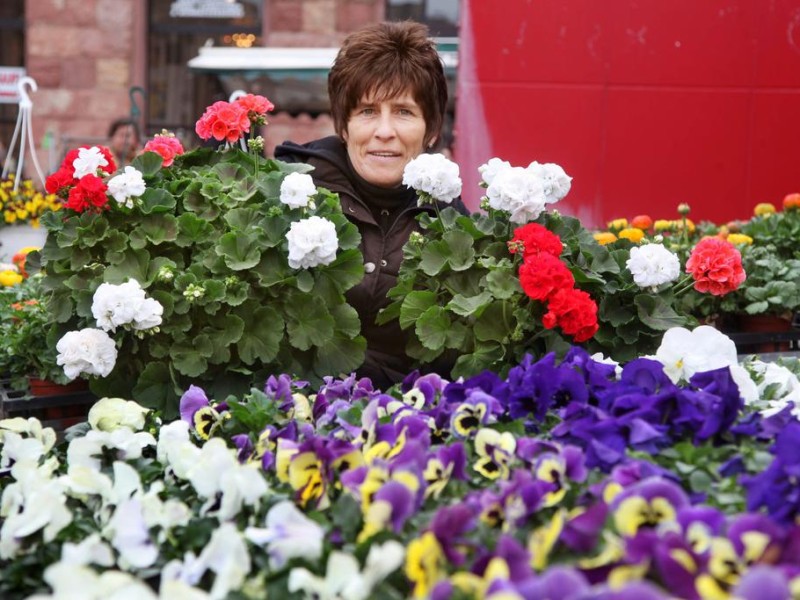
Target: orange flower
{"x": 605, "y": 237}
{"x": 791, "y": 201}
{"x": 643, "y": 222}
{"x": 633, "y": 234}
{"x": 763, "y": 209}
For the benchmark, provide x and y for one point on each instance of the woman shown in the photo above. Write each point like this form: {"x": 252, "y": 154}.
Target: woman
{"x": 388, "y": 95}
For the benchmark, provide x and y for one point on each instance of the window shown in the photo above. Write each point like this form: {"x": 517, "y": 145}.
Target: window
{"x": 441, "y": 16}
{"x": 177, "y": 97}
{"x": 12, "y": 54}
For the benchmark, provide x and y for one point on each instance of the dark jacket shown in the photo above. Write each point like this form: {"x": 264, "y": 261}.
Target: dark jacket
{"x": 385, "y": 219}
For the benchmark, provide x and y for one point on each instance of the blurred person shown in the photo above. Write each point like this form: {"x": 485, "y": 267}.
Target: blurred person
{"x": 388, "y": 97}
{"x": 124, "y": 141}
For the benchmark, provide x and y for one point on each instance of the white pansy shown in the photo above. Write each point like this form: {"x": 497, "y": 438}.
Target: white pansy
{"x": 225, "y": 554}
{"x": 777, "y": 388}
{"x": 88, "y": 351}
{"x": 18, "y": 449}
{"x": 131, "y": 537}
{"x": 606, "y": 360}
{"x": 312, "y": 242}
{"x": 684, "y": 353}
{"x": 519, "y": 192}
{"x": 241, "y": 485}
{"x": 83, "y": 480}
{"x": 127, "y": 185}
{"x": 748, "y": 389}
{"x": 125, "y": 304}
{"x": 652, "y": 265}
{"x": 434, "y": 175}
{"x": 555, "y": 181}
{"x": 77, "y": 582}
{"x": 173, "y": 589}
{"x": 30, "y": 427}
{"x": 490, "y": 169}
{"x": 297, "y": 189}
{"x": 382, "y": 561}
{"x": 171, "y": 437}
{"x": 288, "y": 534}
{"x": 127, "y": 445}
{"x": 88, "y": 161}
{"x": 89, "y": 551}
{"x": 107, "y": 414}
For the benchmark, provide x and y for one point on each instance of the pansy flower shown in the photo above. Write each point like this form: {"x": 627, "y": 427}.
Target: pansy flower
{"x": 425, "y": 564}
{"x": 198, "y": 411}
{"x": 495, "y": 451}
{"x": 448, "y": 462}
{"x": 647, "y": 504}
{"x": 472, "y": 413}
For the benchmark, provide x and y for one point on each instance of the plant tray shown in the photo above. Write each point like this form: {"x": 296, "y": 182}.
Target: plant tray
{"x": 58, "y": 412}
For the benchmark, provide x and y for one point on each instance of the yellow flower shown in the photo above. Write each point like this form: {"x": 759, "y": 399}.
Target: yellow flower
{"x": 739, "y": 238}
{"x": 763, "y": 209}
{"x": 678, "y": 225}
{"x": 9, "y": 278}
{"x": 306, "y": 477}
{"x": 632, "y": 233}
{"x": 605, "y": 237}
{"x": 543, "y": 539}
{"x": 635, "y": 511}
{"x": 663, "y": 225}
{"x": 618, "y": 224}
{"x": 495, "y": 450}
{"x": 424, "y": 564}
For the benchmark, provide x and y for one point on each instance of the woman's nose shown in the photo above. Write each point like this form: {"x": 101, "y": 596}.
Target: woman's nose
{"x": 385, "y": 126}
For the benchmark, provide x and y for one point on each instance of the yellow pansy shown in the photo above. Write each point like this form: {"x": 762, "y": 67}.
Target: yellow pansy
{"x": 552, "y": 470}
{"x": 306, "y": 477}
{"x": 543, "y": 539}
{"x": 424, "y": 564}
{"x": 467, "y": 418}
{"x": 635, "y": 512}
{"x": 495, "y": 450}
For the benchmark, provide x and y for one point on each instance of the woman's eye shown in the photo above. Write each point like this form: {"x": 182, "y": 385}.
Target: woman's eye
{"x": 367, "y": 111}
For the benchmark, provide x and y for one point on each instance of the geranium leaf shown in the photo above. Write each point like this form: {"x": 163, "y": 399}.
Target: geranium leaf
{"x": 466, "y": 306}
{"x": 226, "y": 330}
{"x": 345, "y": 271}
{"x": 305, "y": 281}
{"x": 434, "y": 257}
{"x": 419, "y": 352}
{"x": 414, "y": 305}
{"x": 241, "y": 218}
{"x": 615, "y": 312}
{"x": 432, "y": 327}
{"x": 261, "y": 338}
{"x": 192, "y": 229}
{"x": 347, "y": 321}
{"x": 461, "y": 255}
{"x": 134, "y": 265}
{"x": 228, "y": 173}
{"x": 484, "y": 357}
{"x": 157, "y": 200}
{"x": 239, "y": 250}
{"x": 153, "y": 389}
{"x": 494, "y": 324}
{"x": 160, "y": 228}
{"x": 190, "y": 357}
{"x": 147, "y": 163}
{"x": 340, "y": 356}
{"x": 271, "y": 268}
{"x": 503, "y": 283}
{"x": 199, "y": 203}
{"x": 657, "y": 314}
{"x": 236, "y": 293}
{"x": 308, "y": 322}
{"x": 456, "y": 336}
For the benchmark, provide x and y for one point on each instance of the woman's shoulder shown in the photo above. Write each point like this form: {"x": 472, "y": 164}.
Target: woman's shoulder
{"x": 330, "y": 148}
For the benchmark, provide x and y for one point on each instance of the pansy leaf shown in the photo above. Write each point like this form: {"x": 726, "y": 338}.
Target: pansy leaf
{"x": 239, "y": 250}
{"x": 461, "y": 254}
{"x": 413, "y": 306}
{"x": 340, "y": 356}
{"x": 432, "y": 327}
{"x": 261, "y": 338}
{"x": 157, "y": 200}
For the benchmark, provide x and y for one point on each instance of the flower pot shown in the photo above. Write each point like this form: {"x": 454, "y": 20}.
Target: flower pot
{"x": 766, "y": 325}
{"x": 15, "y": 237}
{"x": 43, "y": 388}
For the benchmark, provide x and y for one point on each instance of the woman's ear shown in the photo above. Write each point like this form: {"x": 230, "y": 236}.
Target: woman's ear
{"x": 431, "y": 143}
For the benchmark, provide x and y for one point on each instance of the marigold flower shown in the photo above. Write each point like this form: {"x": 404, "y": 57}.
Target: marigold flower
{"x": 791, "y": 201}
{"x": 9, "y": 278}
{"x": 618, "y": 224}
{"x": 605, "y": 237}
{"x": 739, "y": 238}
{"x": 633, "y": 234}
{"x": 643, "y": 222}
{"x": 663, "y": 225}
{"x": 716, "y": 266}
{"x": 763, "y": 209}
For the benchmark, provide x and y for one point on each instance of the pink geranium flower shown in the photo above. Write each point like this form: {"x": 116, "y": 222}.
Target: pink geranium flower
{"x": 166, "y": 145}
{"x": 223, "y": 121}
{"x": 716, "y": 266}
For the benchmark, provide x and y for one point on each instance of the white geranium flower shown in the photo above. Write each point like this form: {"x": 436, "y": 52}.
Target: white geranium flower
{"x": 519, "y": 192}
{"x": 435, "y": 176}
{"x": 297, "y": 189}
{"x": 652, "y": 264}
{"x": 684, "y": 353}
{"x": 130, "y": 536}
{"x": 127, "y": 185}
{"x": 107, "y": 414}
{"x": 123, "y": 304}
{"x": 312, "y": 242}
{"x": 490, "y": 169}
{"x": 555, "y": 181}
{"x": 88, "y": 351}
{"x": 289, "y": 534}
{"x": 88, "y": 161}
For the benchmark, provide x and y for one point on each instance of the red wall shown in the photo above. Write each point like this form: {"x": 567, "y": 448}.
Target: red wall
{"x": 645, "y": 103}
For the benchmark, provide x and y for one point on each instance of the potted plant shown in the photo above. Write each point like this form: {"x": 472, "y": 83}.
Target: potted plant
{"x": 27, "y": 348}
{"x": 21, "y": 207}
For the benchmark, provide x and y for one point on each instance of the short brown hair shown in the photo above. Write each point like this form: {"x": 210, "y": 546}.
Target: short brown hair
{"x": 387, "y": 59}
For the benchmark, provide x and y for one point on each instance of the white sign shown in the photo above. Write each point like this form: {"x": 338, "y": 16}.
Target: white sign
{"x": 9, "y": 84}
{"x": 214, "y": 9}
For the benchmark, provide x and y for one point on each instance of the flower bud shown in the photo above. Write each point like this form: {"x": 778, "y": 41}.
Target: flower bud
{"x": 684, "y": 209}
{"x": 256, "y": 144}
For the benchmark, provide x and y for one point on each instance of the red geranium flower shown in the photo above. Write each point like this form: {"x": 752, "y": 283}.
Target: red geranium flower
{"x": 574, "y": 311}
{"x": 223, "y": 121}
{"x": 89, "y": 193}
{"x": 716, "y": 266}
{"x": 535, "y": 239}
{"x": 542, "y": 275}
{"x": 63, "y": 178}
{"x": 166, "y": 145}
{"x": 256, "y": 107}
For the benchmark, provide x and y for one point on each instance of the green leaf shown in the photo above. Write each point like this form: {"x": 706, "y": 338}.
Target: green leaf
{"x": 340, "y": 356}
{"x": 133, "y": 265}
{"x": 503, "y": 283}
{"x": 157, "y": 200}
{"x": 308, "y": 322}
{"x": 413, "y": 306}
{"x": 434, "y": 257}
{"x": 261, "y": 338}
{"x": 474, "y": 305}
{"x": 344, "y": 272}
{"x": 199, "y": 203}
{"x": 153, "y": 388}
{"x": 347, "y": 320}
{"x": 305, "y": 281}
{"x": 432, "y": 327}
{"x": 148, "y": 163}
{"x": 160, "y": 228}
{"x": 485, "y": 357}
{"x": 239, "y": 250}
{"x": 614, "y": 312}
{"x": 461, "y": 255}
{"x": 242, "y": 218}
{"x": 494, "y": 324}
{"x": 192, "y": 229}
{"x": 657, "y": 314}
{"x": 189, "y": 358}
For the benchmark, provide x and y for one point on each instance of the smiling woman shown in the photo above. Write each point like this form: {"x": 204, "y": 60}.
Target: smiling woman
{"x": 388, "y": 97}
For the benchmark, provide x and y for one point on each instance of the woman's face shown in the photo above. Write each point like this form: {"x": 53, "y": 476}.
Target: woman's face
{"x": 382, "y": 137}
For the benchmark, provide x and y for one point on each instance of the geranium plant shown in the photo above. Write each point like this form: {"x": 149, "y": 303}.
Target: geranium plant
{"x": 249, "y": 281}
{"x": 518, "y": 278}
